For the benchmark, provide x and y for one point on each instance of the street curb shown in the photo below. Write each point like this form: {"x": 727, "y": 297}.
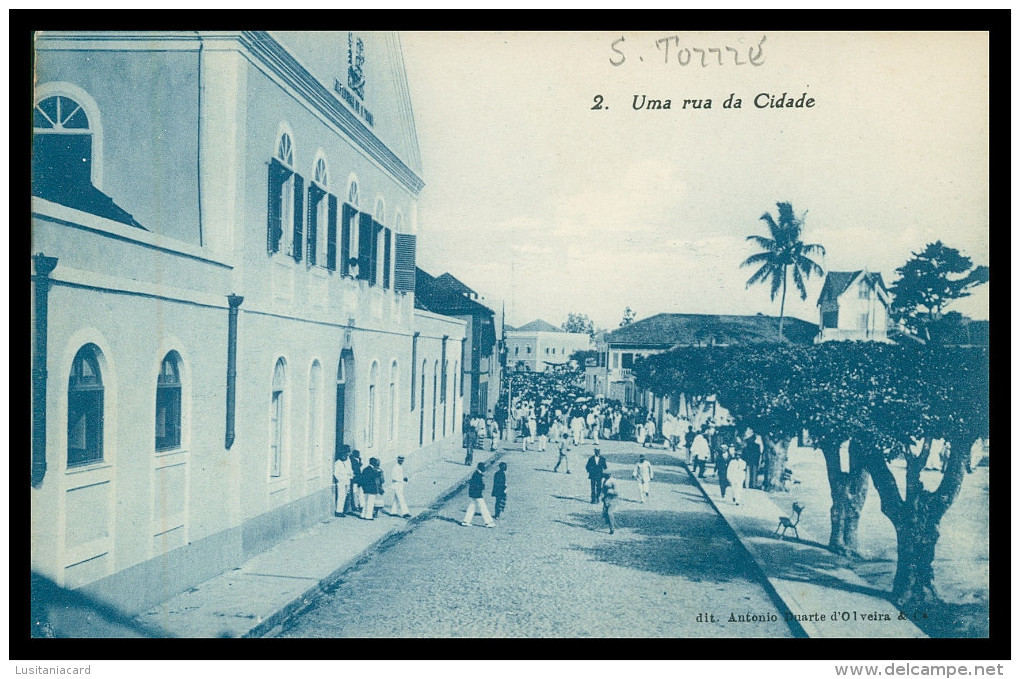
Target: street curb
{"x": 274, "y": 624}
{"x": 798, "y": 628}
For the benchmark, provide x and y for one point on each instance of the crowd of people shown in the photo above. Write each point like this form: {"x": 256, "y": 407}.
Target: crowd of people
{"x": 536, "y": 410}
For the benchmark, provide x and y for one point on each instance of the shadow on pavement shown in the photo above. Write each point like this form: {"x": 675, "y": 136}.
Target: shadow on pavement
{"x": 59, "y": 612}
{"x": 672, "y": 478}
{"x": 816, "y": 566}
{"x": 693, "y": 545}
{"x": 575, "y": 499}
{"x": 656, "y": 459}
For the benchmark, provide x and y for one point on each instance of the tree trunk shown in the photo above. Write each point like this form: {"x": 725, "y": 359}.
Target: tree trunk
{"x": 782, "y": 306}
{"x": 916, "y": 518}
{"x": 849, "y": 490}
{"x": 775, "y": 461}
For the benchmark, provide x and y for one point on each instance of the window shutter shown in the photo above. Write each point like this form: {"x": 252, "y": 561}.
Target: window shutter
{"x": 386, "y": 257}
{"x": 345, "y": 238}
{"x": 331, "y": 235}
{"x": 277, "y": 173}
{"x": 376, "y": 230}
{"x": 299, "y": 215}
{"x": 403, "y": 279}
{"x": 315, "y": 195}
{"x": 365, "y": 242}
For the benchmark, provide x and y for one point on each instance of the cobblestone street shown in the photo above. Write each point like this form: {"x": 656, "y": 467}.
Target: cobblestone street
{"x": 550, "y": 567}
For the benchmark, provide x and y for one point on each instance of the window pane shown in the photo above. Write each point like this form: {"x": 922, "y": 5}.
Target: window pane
{"x": 76, "y": 119}
{"x": 49, "y": 107}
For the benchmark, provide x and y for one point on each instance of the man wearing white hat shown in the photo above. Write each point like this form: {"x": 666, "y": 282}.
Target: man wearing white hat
{"x": 398, "y": 479}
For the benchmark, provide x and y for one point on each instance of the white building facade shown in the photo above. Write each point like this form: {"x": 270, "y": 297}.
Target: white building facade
{"x": 853, "y": 305}
{"x": 223, "y": 230}
{"x": 539, "y": 346}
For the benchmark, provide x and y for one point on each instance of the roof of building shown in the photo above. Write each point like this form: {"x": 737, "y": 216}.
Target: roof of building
{"x": 452, "y": 283}
{"x": 538, "y": 325}
{"x": 443, "y": 296}
{"x": 836, "y": 283}
{"x": 86, "y": 198}
{"x": 687, "y": 329}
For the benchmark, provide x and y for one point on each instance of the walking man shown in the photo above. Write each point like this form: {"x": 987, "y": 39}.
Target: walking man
{"x": 398, "y": 479}
{"x": 596, "y": 468}
{"x": 736, "y": 469}
{"x": 609, "y": 496}
{"x": 643, "y": 474}
{"x": 476, "y": 493}
{"x": 701, "y": 453}
{"x": 499, "y": 490}
{"x": 752, "y": 456}
{"x": 564, "y": 437}
{"x": 470, "y": 443}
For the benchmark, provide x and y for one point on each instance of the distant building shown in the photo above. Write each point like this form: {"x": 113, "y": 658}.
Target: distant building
{"x": 613, "y": 377}
{"x": 539, "y": 346}
{"x": 853, "y": 305}
{"x": 479, "y": 357}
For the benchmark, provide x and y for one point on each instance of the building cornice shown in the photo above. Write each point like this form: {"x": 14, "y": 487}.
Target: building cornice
{"x": 260, "y": 47}
{"x": 272, "y": 54}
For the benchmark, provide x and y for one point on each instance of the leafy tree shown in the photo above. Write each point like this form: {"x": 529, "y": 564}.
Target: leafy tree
{"x": 834, "y": 408}
{"x": 884, "y": 399}
{"x": 578, "y": 323}
{"x": 782, "y": 252}
{"x": 927, "y": 283}
{"x": 921, "y": 394}
{"x": 582, "y": 355}
{"x": 628, "y": 317}
{"x": 759, "y": 387}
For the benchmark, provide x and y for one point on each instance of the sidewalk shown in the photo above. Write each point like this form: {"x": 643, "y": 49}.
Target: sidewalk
{"x": 807, "y": 580}
{"x": 255, "y": 599}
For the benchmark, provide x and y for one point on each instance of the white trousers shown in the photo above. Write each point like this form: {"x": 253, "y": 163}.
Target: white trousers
{"x": 483, "y": 509}
{"x": 369, "y": 508}
{"x": 399, "y": 502}
{"x": 643, "y": 488}
{"x": 736, "y": 491}
{"x": 342, "y": 488}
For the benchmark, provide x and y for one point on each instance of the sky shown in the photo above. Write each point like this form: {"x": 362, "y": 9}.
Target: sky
{"x": 534, "y": 198}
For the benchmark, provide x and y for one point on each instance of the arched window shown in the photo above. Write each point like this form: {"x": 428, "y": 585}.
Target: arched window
{"x": 373, "y": 377}
{"x": 168, "y": 403}
{"x": 314, "y": 419}
{"x": 277, "y": 413}
{"x": 456, "y": 373}
{"x": 421, "y": 411}
{"x": 381, "y": 252}
{"x": 318, "y": 216}
{"x": 393, "y": 402}
{"x": 85, "y": 408}
{"x": 435, "y": 387}
{"x": 286, "y": 201}
{"x": 61, "y": 147}
{"x": 349, "y": 231}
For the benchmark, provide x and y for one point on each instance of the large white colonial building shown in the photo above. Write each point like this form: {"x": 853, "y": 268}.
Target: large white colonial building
{"x": 538, "y": 346}
{"x": 224, "y": 229}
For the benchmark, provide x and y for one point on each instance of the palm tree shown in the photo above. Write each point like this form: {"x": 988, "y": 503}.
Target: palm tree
{"x": 784, "y": 250}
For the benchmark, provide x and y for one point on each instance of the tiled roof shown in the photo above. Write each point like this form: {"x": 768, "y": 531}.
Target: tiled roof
{"x": 836, "y": 283}
{"x": 684, "y": 329}
{"x": 539, "y": 325}
{"x": 449, "y": 281}
{"x": 439, "y": 296}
